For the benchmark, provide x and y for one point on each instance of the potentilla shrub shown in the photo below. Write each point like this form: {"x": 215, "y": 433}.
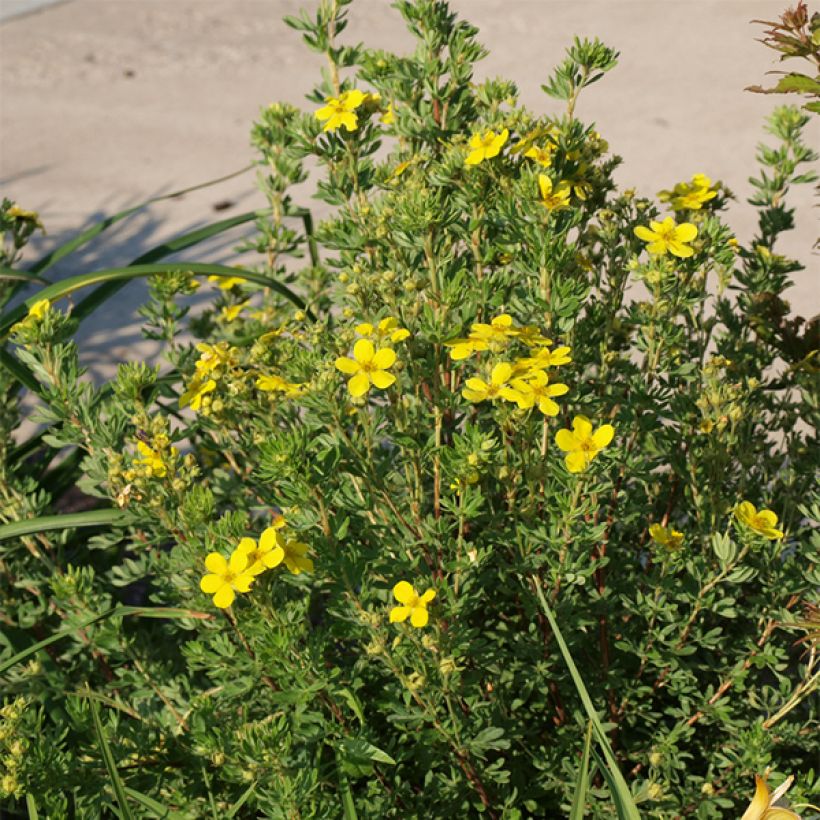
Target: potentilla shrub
{"x": 492, "y": 396}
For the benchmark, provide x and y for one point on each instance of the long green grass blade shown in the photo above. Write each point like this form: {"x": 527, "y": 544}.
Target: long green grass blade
{"x": 343, "y": 782}
{"x": 154, "y": 806}
{"x": 84, "y": 280}
{"x": 579, "y": 799}
{"x": 92, "y": 518}
{"x": 20, "y": 371}
{"x": 95, "y": 230}
{"x": 620, "y": 791}
{"x": 243, "y": 798}
{"x": 175, "y": 245}
{"x": 21, "y": 275}
{"x": 160, "y": 612}
{"x": 110, "y": 763}
{"x": 31, "y": 806}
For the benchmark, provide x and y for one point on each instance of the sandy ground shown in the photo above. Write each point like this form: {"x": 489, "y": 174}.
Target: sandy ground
{"x": 106, "y": 103}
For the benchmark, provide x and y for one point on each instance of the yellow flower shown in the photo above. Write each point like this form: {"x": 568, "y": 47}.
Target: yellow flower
{"x": 531, "y": 336}
{"x": 340, "y": 112}
{"x": 16, "y": 212}
{"x": 667, "y": 537}
{"x": 230, "y": 312}
{"x": 152, "y": 459}
{"x": 494, "y": 336}
{"x": 543, "y": 156}
{"x": 198, "y": 388}
{"x": 544, "y": 359}
{"x": 464, "y": 348}
{"x": 386, "y": 329}
{"x": 226, "y": 282}
{"x": 690, "y": 196}
{"x": 485, "y": 146}
{"x": 226, "y": 578}
{"x": 295, "y": 560}
{"x": 668, "y": 237}
{"x": 581, "y": 444}
{"x": 477, "y": 390}
{"x": 412, "y": 605}
{"x": 389, "y": 116}
{"x": 368, "y": 366}
{"x": 39, "y": 309}
{"x": 762, "y": 806}
{"x": 272, "y": 382}
{"x": 536, "y": 390}
{"x": 553, "y": 198}
{"x": 213, "y": 357}
{"x": 269, "y": 553}
{"x": 762, "y": 522}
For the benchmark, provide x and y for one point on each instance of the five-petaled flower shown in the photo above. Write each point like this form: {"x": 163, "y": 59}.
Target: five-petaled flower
{"x": 341, "y": 111}
{"x": 267, "y": 554}
{"x": 690, "y": 196}
{"x": 536, "y": 390}
{"x": 581, "y": 444}
{"x": 226, "y": 578}
{"x": 411, "y": 605}
{"x": 543, "y": 156}
{"x": 498, "y": 387}
{"x": 762, "y": 806}
{"x": 667, "y": 537}
{"x": 485, "y": 146}
{"x": 668, "y": 237}
{"x": 198, "y": 388}
{"x": 762, "y": 522}
{"x": 367, "y": 367}
{"x": 295, "y": 560}
{"x": 553, "y": 197}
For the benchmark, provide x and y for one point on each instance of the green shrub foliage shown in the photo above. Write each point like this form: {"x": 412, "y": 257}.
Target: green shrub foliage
{"x": 489, "y": 371}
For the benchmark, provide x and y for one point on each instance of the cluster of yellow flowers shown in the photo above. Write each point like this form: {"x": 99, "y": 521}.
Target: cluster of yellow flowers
{"x": 372, "y": 356}
{"x": 157, "y": 458}
{"x": 343, "y": 111}
{"x": 690, "y": 196}
{"x": 249, "y": 560}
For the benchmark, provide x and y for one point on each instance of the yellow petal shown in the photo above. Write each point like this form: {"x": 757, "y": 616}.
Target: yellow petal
{"x": 404, "y": 592}
{"x": 501, "y": 373}
{"x": 419, "y": 617}
{"x": 382, "y": 379}
{"x": 269, "y": 539}
{"x": 359, "y": 385}
{"x": 576, "y": 462}
{"x": 642, "y": 232}
{"x": 274, "y": 557}
{"x": 566, "y": 440}
{"x": 603, "y": 435}
{"x": 224, "y": 597}
{"x": 582, "y": 427}
{"x": 347, "y": 365}
{"x": 686, "y": 232}
{"x": 680, "y": 250}
{"x": 384, "y": 359}
{"x": 428, "y": 596}
{"x": 399, "y": 614}
{"x": 246, "y": 546}
{"x": 364, "y": 329}
{"x": 216, "y": 563}
{"x": 759, "y": 803}
{"x": 238, "y": 562}
{"x": 399, "y": 335}
{"x": 210, "y": 583}
{"x": 363, "y": 351}
{"x": 242, "y": 583}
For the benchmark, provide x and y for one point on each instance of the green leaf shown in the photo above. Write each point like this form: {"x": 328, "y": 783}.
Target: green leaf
{"x": 154, "y": 806}
{"x": 579, "y": 799}
{"x": 31, "y": 806}
{"x": 110, "y": 764}
{"x": 348, "y": 806}
{"x": 242, "y": 800}
{"x": 92, "y": 518}
{"x": 799, "y": 83}
{"x": 84, "y": 280}
{"x": 120, "y": 611}
{"x": 21, "y": 275}
{"x": 622, "y": 797}
{"x": 95, "y": 230}
{"x": 20, "y": 372}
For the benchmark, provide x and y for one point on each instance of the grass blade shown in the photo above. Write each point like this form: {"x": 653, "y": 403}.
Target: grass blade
{"x": 178, "y": 243}
{"x": 95, "y": 230}
{"x": 348, "y": 806}
{"x": 620, "y": 791}
{"x": 579, "y": 799}
{"x": 84, "y": 280}
{"x": 33, "y": 814}
{"x": 92, "y": 518}
{"x": 110, "y": 763}
{"x": 244, "y": 797}
{"x": 119, "y": 611}
{"x": 21, "y": 275}
{"x": 154, "y": 806}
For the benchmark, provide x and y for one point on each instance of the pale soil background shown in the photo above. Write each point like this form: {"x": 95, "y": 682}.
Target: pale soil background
{"x": 106, "y": 103}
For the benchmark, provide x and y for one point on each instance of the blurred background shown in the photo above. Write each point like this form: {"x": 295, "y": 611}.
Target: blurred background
{"x": 106, "y": 103}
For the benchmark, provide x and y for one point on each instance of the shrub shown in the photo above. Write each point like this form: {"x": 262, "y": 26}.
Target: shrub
{"x": 335, "y": 535}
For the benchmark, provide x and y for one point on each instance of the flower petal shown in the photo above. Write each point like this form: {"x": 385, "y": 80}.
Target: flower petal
{"x": 566, "y": 440}
{"x": 642, "y": 232}
{"x": 501, "y": 373}
{"x": 685, "y": 232}
{"x": 210, "y": 583}
{"x": 269, "y": 539}
{"x": 576, "y": 462}
{"x": 582, "y": 427}
{"x": 404, "y": 592}
{"x": 238, "y": 562}
{"x": 384, "y": 359}
{"x": 359, "y": 385}
{"x": 382, "y": 379}
{"x": 428, "y": 596}
{"x": 274, "y": 557}
{"x": 224, "y": 597}
{"x": 399, "y": 614}
{"x": 603, "y": 435}
{"x": 246, "y": 546}
{"x": 347, "y": 365}
{"x": 363, "y": 351}
{"x": 242, "y": 583}
{"x": 216, "y": 563}
{"x": 760, "y": 802}
{"x": 419, "y": 616}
